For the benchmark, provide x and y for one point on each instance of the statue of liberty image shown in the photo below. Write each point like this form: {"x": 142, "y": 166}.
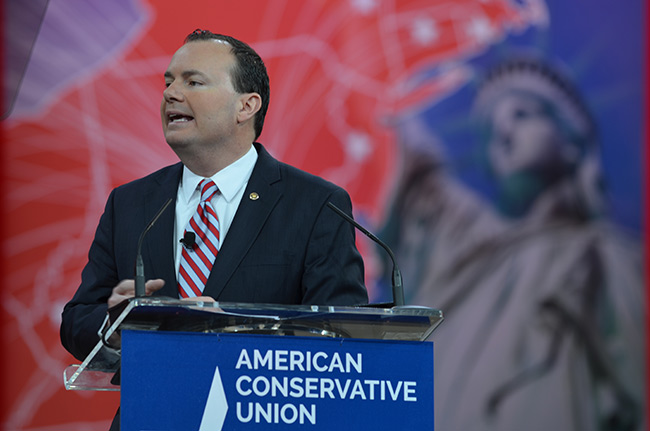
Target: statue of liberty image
{"x": 543, "y": 297}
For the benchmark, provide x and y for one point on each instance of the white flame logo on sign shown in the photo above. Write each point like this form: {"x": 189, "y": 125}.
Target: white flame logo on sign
{"x": 216, "y": 406}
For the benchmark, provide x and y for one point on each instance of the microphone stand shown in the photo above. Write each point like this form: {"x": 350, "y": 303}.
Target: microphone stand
{"x": 398, "y": 289}
{"x": 139, "y": 264}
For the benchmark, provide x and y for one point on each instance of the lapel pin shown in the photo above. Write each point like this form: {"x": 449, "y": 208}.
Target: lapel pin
{"x": 253, "y": 196}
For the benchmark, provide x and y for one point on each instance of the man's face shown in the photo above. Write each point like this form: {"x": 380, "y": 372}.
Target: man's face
{"x": 525, "y": 138}
{"x": 199, "y": 103}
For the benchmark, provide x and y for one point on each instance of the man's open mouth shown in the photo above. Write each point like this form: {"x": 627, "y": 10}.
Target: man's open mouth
{"x": 179, "y": 118}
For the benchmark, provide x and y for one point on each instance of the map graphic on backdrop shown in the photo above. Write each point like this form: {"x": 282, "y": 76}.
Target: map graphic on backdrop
{"x": 359, "y": 90}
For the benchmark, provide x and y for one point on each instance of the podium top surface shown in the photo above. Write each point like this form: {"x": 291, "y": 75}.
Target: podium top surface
{"x": 405, "y": 323}
{"x": 165, "y": 314}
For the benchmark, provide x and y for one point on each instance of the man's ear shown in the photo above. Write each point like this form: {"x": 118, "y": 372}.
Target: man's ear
{"x": 250, "y": 103}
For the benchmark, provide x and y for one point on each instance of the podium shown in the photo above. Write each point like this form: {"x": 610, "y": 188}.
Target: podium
{"x": 212, "y": 366}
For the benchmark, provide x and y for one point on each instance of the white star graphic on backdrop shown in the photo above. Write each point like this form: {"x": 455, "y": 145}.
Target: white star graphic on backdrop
{"x": 480, "y": 29}
{"x": 357, "y": 145}
{"x": 364, "y": 6}
{"x": 424, "y": 31}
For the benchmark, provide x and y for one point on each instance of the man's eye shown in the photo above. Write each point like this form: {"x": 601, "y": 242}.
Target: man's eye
{"x": 193, "y": 83}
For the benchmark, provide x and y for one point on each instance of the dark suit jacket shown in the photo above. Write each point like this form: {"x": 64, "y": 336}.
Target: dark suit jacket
{"x": 286, "y": 247}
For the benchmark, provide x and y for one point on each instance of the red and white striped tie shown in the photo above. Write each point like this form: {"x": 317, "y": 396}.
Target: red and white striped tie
{"x": 197, "y": 262}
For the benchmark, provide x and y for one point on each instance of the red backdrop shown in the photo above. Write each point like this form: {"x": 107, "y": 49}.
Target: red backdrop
{"x": 86, "y": 119}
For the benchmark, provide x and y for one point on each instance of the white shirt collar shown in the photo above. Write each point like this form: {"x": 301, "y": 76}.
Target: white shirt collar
{"x": 229, "y": 180}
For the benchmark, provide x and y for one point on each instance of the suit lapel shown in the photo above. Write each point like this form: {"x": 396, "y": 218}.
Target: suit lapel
{"x": 159, "y": 258}
{"x": 248, "y": 222}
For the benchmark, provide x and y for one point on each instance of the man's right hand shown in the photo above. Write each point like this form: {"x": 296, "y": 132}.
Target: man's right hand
{"x": 126, "y": 289}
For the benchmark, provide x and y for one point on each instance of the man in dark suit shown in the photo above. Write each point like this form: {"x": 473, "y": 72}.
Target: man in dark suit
{"x": 278, "y": 242}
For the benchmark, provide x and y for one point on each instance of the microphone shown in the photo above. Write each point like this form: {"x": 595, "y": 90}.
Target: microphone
{"x": 139, "y": 265}
{"x": 189, "y": 240}
{"x": 398, "y": 289}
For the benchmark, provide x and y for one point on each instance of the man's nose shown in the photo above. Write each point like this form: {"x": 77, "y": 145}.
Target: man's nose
{"x": 172, "y": 93}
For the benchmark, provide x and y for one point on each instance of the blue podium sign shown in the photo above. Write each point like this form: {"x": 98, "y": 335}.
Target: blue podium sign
{"x": 192, "y": 381}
